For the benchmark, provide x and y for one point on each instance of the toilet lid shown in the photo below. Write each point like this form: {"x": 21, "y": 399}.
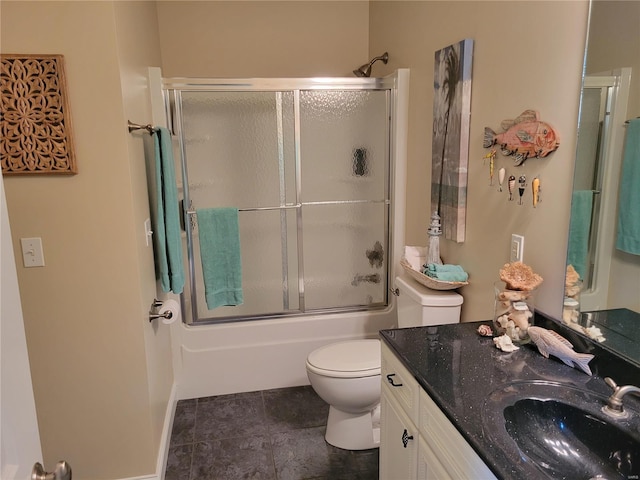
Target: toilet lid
{"x": 354, "y": 358}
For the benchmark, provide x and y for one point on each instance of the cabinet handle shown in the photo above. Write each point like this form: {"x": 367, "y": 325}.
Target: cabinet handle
{"x": 406, "y": 437}
{"x": 390, "y": 380}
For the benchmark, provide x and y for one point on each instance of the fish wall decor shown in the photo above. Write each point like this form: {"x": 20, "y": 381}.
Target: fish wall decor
{"x": 524, "y": 137}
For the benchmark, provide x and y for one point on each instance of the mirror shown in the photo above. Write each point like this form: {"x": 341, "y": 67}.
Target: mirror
{"x": 603, "y": 281}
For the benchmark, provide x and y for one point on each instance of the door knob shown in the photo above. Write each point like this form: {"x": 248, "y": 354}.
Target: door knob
{"x": 61, "y": 472}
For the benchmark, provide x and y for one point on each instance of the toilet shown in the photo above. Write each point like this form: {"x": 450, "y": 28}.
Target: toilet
{"x": 346, "y": 374}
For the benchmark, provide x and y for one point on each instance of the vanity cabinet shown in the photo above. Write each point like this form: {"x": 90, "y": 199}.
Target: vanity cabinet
{"x": 417, "y": 441}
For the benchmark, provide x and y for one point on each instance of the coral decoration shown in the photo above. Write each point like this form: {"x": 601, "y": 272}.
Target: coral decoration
{"x": 518, "y": 276}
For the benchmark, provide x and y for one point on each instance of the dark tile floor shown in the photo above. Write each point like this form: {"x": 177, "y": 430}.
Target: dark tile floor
{"x": 273, "y": 434}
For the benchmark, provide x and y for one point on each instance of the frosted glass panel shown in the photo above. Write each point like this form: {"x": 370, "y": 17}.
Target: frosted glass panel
{"x": 234, "y": 147}
{"x": 344, "y": 145}
{"x": 328, "y": 193}
{"x": 266, "y": 288}
{"x": 337, "y": 271}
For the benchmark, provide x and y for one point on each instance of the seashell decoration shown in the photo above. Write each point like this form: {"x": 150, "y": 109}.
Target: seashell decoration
{"x": 514, "y": 301}
{"x": 485, "y": 331}
{"x": 504, "y": 343}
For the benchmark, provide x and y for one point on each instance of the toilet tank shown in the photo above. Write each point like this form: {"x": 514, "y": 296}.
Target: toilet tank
{"x": 419, "y": 305}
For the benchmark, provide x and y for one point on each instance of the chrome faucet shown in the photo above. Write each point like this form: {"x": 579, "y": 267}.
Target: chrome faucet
{"x": 614, "y": 403}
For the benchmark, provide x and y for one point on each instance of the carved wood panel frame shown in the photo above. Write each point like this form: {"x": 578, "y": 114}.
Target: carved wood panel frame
{"x": 35, "y": 126}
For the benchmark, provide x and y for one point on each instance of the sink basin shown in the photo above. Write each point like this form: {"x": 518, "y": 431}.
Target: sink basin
{"x": 563, "y": 438}
{"x": 561, "y": 431}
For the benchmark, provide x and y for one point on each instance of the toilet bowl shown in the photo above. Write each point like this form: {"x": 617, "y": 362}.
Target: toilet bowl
{"x": 346, "y": 375}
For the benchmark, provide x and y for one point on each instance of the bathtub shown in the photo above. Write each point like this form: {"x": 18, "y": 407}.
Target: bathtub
{"x": 263, "y": 354}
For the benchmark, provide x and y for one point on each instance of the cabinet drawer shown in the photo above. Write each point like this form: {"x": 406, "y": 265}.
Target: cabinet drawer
{"x": 400, "y": 384}
{"x": 449, "y": 446}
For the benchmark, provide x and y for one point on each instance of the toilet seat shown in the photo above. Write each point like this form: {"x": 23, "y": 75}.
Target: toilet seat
{"x": 350, "y": 359}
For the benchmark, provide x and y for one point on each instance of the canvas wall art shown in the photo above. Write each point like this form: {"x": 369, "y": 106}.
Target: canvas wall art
{"x": 450, "y": 144}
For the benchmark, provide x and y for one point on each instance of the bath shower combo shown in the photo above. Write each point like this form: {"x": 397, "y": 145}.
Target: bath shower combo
{"x": 316, "y": 169}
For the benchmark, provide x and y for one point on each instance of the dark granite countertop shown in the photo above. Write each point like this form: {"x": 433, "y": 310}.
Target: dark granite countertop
{"x": 460, "y": 370}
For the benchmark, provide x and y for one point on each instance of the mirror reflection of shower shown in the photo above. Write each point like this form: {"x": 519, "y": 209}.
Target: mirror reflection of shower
{"x": 596, "y": 183}
{"x": 365, "y": 70}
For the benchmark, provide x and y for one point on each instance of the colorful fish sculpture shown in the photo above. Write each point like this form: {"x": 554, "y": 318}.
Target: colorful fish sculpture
{"x": 552, "y": 343}
{"x": 524, "y": 137}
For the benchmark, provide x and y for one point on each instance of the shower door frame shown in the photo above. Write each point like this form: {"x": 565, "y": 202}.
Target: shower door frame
{"x": 172, "y": 91}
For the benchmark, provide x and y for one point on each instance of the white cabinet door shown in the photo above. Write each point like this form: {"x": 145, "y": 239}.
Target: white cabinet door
{"x": 398, "y": 442}
{"x": 429, "y": 467}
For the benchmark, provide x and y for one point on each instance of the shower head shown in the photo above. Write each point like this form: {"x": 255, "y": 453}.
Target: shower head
{"x": 365, "y": 70}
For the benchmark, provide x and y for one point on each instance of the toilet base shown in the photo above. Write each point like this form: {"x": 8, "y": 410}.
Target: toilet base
{"x": 353, "y": 431}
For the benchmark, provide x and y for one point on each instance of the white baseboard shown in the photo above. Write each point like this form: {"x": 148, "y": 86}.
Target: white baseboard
{"x": 163, "y": 449}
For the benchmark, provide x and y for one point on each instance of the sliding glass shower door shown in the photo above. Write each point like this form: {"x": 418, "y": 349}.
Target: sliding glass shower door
{"x": 309, "y": 171}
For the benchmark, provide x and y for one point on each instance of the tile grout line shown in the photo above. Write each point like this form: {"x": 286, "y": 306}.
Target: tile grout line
{"x": 193, "y": 439}
{"x": 272, "y": 458}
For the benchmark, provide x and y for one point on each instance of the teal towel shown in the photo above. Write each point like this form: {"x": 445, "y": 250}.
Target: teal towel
{"x": 579, "y": 229}
{"x": 219, "y": 237}
{"x": 446, "y": 273}
{"x": 628, "y": 239}
{"x": 168, "y": 237}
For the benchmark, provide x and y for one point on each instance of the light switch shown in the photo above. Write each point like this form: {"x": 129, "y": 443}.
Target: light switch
{"x": 32, "y": 255}
{"x": 148, "y": 233}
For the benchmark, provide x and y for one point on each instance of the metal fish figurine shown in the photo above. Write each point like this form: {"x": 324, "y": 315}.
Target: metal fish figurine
{"x": 524, "y": 137}
{"x": 511, "y": 184}
{"x": 552, "y": 343}
{"x": 492, "y": 157}
{"x": 501, "y": 173}
{"x": 535, "y": 185}
{"x": 522, "y": 182}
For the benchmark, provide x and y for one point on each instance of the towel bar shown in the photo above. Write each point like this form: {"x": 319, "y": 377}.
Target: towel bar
{"x": 135, "y": 126}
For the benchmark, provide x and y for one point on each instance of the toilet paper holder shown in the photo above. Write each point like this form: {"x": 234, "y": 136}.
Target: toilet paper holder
{"x": 153, "y": 311}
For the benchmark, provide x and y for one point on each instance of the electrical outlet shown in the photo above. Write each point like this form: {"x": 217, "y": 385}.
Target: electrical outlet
{"x": 517, "y": 248}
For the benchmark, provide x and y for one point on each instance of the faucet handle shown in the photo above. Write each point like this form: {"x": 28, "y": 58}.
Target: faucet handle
{"x": 611, "y": 382}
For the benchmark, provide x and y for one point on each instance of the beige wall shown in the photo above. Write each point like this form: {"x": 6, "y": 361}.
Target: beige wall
{"x": 527, "y": 54}
{"x": 101, "y": 372}
{"x": 614, "y": 42}
{"x": 262, "y": 38}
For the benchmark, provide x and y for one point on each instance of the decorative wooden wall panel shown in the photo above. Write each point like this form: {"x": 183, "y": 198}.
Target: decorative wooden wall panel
{"x": 35, "y": 127}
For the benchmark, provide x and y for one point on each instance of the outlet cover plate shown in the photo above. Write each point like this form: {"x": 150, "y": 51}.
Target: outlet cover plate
{"x": 516, "y": 253}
